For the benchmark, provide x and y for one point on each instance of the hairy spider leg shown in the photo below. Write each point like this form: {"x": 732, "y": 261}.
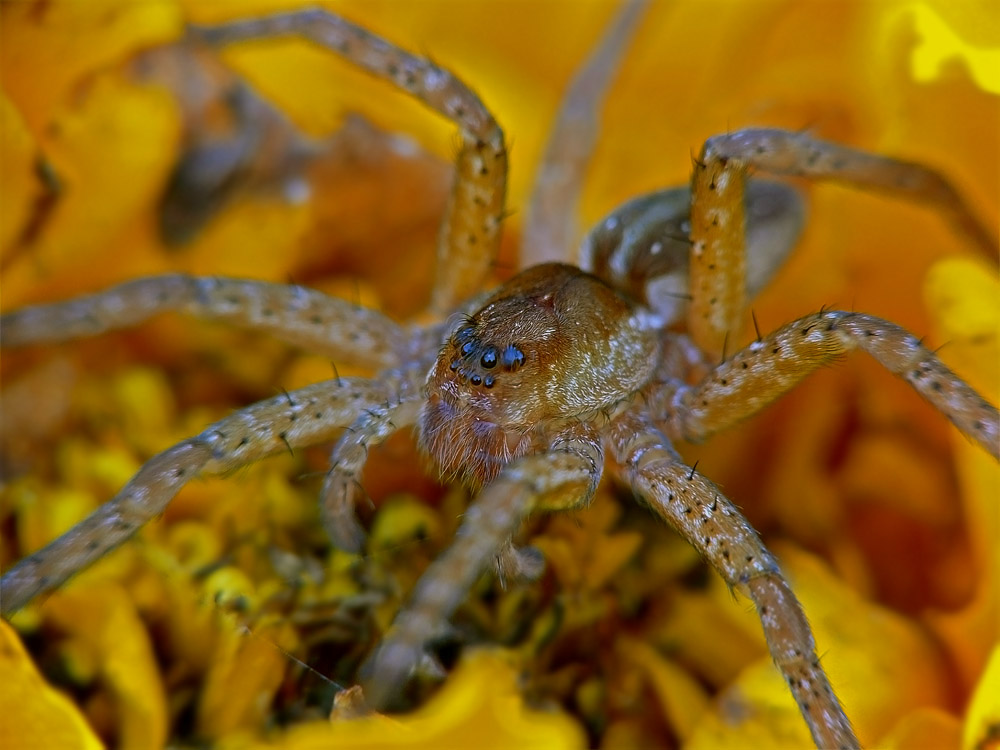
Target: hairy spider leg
{"x": 718, "y": 265}
{"x": 297, "y": 315}
{"x": 400, "y": 407}
{"x": 710, "y": 522}
{"x": 551, "y": 225}
{"x": 303, "y": 417}
{"x": 470, "y": 233}
{"x": 767, "y": 369}
{"x": 565, "y": 476}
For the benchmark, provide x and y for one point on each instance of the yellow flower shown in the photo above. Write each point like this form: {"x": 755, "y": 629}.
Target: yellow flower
{"x": 884, "y": 518}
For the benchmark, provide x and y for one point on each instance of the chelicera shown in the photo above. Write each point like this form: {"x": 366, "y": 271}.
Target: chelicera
{"x": 524, "y": 392}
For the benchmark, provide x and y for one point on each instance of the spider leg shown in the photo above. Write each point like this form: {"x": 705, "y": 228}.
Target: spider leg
{"x": 470, "y": 234}
{"x": 399, "y": 407}
{"x": 797, "y": 153}
{"x": 565, "y": 476}
{"x": 759, "y": 374}
{"x": 298, "y": 315}
{"x": 642, "y": 246}
{"x": 714, "y": 526}
{"x": 303, "y": 417}
{"x": 550, "y": 229}
{"x": 522, "y": 564}
{"x": 718, "y": 265}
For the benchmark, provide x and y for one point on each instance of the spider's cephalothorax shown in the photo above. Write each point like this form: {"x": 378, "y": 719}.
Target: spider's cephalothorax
{"x": 559, "y": 371}
{"x": 552, "y": 344}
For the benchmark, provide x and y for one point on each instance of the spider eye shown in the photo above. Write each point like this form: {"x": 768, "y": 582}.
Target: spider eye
{"x": 512, "y": 357}
{"x": 488, "y": 381}
{"x": 489, "y": 358}
{"x": 464, "y": 335}
{"x": 475, "y": 380}
{"x": 467, "y": 348}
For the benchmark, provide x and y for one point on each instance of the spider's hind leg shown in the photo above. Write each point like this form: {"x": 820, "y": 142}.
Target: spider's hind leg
{"x": 552, "y": 216}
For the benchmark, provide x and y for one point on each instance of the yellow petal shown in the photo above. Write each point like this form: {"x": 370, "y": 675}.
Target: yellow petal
{"x": 244, "y": 675}
{"x": 982, "y": 724}
{"x": 924, "y": 729}
{"x": 881, "y": 665}
{"x": 103, "y": 620}
{"x": 479, "y": 706}
{"x": 682, "y": 699}
{"x": 942, "y": 43}
{"x": 965, "y": 299}
{"x": 32, "y": 714}
{"x": 20, "y": 187}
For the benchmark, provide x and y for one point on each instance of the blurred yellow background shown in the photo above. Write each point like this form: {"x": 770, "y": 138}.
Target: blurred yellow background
{"x": 885, "y": 520}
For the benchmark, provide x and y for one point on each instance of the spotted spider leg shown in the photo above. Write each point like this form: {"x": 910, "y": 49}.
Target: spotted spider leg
{"x": 741, "y": 386}
{"x": 374, "y": 424}
{"x": 718, "y": 264}
{"x": 470, "y": 233}
{"x": 710, "y": 522}
{"x": 565, "y": 476}
{"x": 298, "y": 315}
{"x": 310, "y": 415}
{"x": 550, "y": 226}
{"x": 295, "y": 314}
{"x": 770, "y": 367}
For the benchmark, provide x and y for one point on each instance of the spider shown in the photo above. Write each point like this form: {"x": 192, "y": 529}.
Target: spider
{"x": 524, "y": 392}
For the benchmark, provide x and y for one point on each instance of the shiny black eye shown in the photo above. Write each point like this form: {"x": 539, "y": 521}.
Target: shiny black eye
{"x": 467, "y": 348}
{"x": 512, "y": 357}
{"x": 489, "y": 358}
{"x": 454, "y": 365}
{"x": 488, "y": 381}
{"x": 475, "y": 380}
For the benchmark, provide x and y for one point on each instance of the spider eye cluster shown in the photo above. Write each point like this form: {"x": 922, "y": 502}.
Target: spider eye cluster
{"x": 475, "y": 358}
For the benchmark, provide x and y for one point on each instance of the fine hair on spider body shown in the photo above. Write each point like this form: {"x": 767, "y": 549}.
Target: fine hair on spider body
{"x": 526, "y": 391}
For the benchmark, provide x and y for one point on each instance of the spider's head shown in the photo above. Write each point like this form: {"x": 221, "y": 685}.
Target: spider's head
{"x": 552, "y": 344}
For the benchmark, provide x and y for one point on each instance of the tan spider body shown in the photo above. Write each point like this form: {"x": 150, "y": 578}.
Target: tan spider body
{"x": 524, "y": 392}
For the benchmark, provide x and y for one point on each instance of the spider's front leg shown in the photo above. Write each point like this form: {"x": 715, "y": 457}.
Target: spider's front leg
{"x": 718, "y": 225}
{"x": 715, "y": 527}
{"x": 564, "y": 477}
{"x": 307, "y": 416}
{"x": 294, "y": 314}
{"x": 770, "y": 367}
{"x": 470, "y": 233}
{"x": 374, "y": 424}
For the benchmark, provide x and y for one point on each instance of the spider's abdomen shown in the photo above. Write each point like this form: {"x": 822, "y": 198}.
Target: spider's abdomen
{"x": 553, "y": 343}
